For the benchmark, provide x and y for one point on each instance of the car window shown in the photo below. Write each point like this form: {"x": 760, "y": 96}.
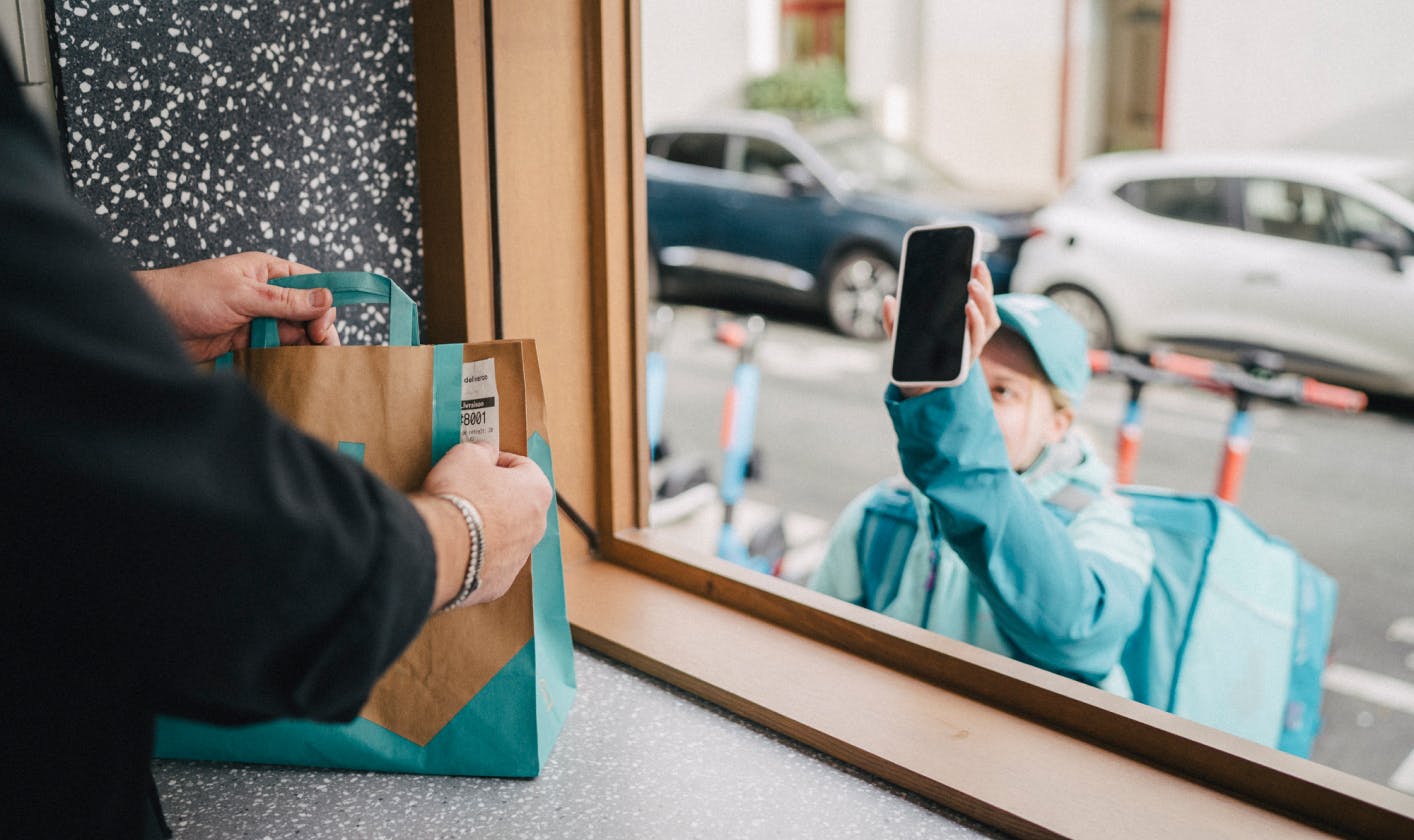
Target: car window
{"x": 765, "y": 157}
{"x": 869, "y": 161}
{"x": 1288, "y": 209}
{"x": 1201, "y": 200}
{"x": 1357, "y": 221}
{"x": 658, "y": 144}
{"x": 698, "y": 149}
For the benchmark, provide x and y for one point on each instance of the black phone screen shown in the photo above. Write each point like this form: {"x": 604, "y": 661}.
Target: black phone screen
{"x": 932, "y": 313}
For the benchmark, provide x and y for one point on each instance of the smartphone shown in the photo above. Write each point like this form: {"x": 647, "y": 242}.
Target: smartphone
{"x": 930, "y": 345}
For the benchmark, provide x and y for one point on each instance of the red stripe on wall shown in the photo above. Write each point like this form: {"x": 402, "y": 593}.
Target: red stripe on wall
{"x": 1063, "y": 147}
{"x": 791, "y": 7}
{"x": 1163, "y": 76}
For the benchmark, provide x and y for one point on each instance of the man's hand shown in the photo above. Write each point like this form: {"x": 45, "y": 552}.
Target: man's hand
{"x": 513, "y": 497}
{"x": 982, "y": 318}
{"x": 212, "y": 302}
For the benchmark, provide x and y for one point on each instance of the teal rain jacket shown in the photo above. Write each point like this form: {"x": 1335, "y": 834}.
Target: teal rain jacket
{"x": 1006, "y": 562}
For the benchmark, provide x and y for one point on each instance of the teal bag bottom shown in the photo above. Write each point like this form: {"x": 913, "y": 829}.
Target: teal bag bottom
{"x": 507, "y": 729}
{"x": 1238, "y": 625}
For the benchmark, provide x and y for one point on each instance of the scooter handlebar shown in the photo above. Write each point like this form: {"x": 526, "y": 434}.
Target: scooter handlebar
{"x": 741, "y": 336}
{"x": 1183, "y": 364}
{"x": 1100, "y": 360}
{"x": 1120, "y": 364}
{"x": 1287, "y": 388}
{"x": 1316, "y": 392}
{"x": 732, "y": 333}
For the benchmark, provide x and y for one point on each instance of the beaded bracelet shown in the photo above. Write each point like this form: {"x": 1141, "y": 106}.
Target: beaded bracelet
{"x": 475, "y": 554}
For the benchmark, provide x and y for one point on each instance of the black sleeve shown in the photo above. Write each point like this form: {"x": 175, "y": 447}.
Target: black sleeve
{"x": 163, "y": 533}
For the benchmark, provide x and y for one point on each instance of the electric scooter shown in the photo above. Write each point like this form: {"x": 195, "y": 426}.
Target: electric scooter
{"x": 682, "y": 486}
{"x": 767, "y": 546}
{"x": 1256, "y": 376}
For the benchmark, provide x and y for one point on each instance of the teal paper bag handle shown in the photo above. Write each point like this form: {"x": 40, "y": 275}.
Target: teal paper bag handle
{"x": 349, "y": 287}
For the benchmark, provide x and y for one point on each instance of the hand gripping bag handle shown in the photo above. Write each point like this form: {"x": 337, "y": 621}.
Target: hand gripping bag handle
{"x": 349, "y": 287}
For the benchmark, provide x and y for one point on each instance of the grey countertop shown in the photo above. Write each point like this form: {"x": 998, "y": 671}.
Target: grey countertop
{"x": 637, "y": 758}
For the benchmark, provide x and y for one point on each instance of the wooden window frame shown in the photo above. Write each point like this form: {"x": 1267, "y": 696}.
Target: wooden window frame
{"x": 531, "y": 159}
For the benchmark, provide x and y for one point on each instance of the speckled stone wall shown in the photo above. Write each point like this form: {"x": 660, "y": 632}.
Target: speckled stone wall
{"x": 196, "y": 129}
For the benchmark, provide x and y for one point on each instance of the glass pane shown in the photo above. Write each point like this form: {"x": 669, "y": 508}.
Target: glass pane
{"x": 762, "y": 157}
{"x": 698, "y": 149}
{"x": 870, "y": 161}
{"x": 1288, "y": 209}
{"x": 1361, "y": 223}
{"x": 657, "y": 145}
{"x": 1188, "y": 199}
{"x": 775, "y": 446}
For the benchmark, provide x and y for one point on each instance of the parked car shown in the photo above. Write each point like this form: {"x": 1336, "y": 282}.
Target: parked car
{"x": 1304, "y": 254}
{"x": 752, "y": 207}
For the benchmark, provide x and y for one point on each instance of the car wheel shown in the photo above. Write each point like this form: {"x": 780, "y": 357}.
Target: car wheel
{"x": 854, "y": 298}
{"x": 1083, "y": 307}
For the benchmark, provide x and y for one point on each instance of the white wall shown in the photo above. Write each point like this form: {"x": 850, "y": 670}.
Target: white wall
{"x": 1089, "y": 39}
{"x": 697, "y": 56}
{"x": 985, "y": 78}
{"x": 991, "y": 90}
{"x": 883, "y": 44}
{"x": 981, "y": 82}
{"x": 1272, "y": 73}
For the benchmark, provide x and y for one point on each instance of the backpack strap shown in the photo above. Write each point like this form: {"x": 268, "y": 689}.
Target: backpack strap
{"x": 1315, "y": 621}
{"x": 889, "y": 526}
{"x": 886, "y": 534}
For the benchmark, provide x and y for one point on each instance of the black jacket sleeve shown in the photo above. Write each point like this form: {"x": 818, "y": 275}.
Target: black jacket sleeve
{"x": 163, "y": 534}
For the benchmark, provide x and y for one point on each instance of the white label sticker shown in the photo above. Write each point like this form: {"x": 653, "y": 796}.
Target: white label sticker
{"x": 481, "y": 416}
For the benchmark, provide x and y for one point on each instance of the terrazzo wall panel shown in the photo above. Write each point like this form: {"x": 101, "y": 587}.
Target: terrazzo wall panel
{"x": 196, "y": 129}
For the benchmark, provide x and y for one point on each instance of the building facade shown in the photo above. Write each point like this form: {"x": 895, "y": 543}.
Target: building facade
{"x": 1015, "y": 93}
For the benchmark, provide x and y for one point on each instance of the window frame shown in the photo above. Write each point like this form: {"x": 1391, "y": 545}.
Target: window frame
{"x": 1230, "y": 193}
{"x": 1223, "y": 781}
{"x": 548, "y": 99}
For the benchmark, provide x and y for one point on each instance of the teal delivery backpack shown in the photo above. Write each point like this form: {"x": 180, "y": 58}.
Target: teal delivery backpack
{"x": 1236, "y": 624}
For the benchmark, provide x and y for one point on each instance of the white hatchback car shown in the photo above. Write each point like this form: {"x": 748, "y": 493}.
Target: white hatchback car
{"x": 1302, "y": 253}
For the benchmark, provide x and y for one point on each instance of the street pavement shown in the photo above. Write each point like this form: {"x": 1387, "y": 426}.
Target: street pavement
{"x": 1339, "y": 487}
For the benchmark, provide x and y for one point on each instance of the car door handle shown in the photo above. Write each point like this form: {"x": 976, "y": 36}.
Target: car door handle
{"x": 1262, "y": 278}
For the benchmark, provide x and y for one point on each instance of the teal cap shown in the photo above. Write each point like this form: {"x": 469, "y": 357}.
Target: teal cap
{"x": 1056, "y": 337}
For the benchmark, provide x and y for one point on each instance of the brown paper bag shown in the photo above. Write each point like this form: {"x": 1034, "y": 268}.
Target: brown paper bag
{"x": 483, "y": 690}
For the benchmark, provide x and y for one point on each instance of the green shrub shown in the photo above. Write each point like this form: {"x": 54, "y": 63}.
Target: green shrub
{"x": 808, "y": 90}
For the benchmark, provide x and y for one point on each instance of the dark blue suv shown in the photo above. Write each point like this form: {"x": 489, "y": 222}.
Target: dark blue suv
{"x": 754, "y": 208}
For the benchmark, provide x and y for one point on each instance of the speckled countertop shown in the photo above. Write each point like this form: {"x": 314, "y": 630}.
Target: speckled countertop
{"x": 637, "y": 759}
